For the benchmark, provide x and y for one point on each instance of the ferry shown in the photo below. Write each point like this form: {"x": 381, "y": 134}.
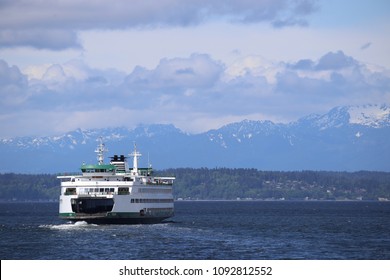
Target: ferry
{"x": 114, "y": 193}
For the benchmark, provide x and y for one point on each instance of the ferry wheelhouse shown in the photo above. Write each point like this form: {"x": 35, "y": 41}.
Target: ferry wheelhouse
{"x": 116, "y": 193}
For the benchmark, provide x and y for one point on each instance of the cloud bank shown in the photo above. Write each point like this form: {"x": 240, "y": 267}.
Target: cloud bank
{"x": 54, "y": 25}
{"x": 195, "y": 93}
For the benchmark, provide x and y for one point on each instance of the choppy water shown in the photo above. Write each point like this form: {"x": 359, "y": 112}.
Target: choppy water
{"x": 205, "y": 230}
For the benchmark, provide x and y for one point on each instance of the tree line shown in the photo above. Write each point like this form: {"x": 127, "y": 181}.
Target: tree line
{"x": 228, "y": 183}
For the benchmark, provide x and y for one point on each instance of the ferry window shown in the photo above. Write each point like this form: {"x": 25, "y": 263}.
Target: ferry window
{"x": 70, "y": 191}
{"x": 106, "y": 189}
{"x": 112, "y": 189}
{"x": 101, "y": 190}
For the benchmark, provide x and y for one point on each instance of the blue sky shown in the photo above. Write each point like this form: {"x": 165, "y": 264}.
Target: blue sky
{"x": 196, "y": 64}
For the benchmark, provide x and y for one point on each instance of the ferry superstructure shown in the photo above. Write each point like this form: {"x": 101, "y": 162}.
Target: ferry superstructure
{"x": 114, "y": 193}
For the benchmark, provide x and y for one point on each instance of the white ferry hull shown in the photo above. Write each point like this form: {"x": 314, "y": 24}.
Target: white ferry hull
{"x": 122, "y": 212}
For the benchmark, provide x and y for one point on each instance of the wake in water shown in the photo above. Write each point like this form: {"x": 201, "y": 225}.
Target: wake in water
{"x": 80, "y": 225}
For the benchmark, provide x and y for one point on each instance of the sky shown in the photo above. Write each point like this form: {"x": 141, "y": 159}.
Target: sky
{"x": 68, "y": 64}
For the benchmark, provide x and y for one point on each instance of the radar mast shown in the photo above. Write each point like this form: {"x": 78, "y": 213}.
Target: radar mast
{"x": 100, "y": 150}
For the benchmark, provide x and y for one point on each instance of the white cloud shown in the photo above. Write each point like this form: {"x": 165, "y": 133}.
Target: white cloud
{"x": 39, "y": 38}
{"x": 253, "y": 65}
{"x": 197, "y": 71}
{"x": 195, "y": 93}
{"x": 13, "y": 85}
{"x": 35, "y": 71}
{"x": 54, "y": 24}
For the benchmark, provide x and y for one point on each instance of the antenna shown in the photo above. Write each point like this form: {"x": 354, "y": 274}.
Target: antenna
{"x": 149, "y": 166}
{"x": 100, "y": 150}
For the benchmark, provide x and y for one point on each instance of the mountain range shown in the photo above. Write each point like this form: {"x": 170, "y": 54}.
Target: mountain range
{"x": 348, "y": 138}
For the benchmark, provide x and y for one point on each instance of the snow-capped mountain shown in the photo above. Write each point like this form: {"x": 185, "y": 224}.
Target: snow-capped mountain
{"x": 346, "y": 138}
{"x": 373, "y": 116}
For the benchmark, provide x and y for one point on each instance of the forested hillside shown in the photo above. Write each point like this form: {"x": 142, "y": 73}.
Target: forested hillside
{"x": 28, "y": 187}
{"x": 225, "y": 183}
